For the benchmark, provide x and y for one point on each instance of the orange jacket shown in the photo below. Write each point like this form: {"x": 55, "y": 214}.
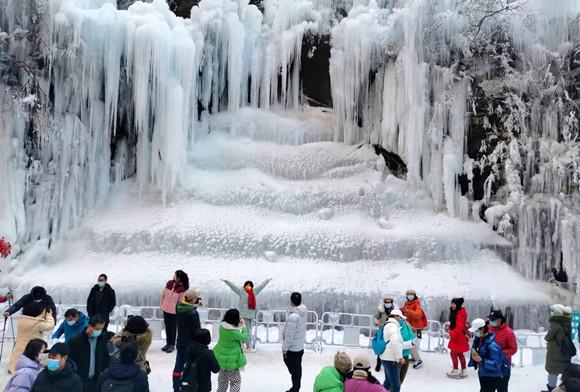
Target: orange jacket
{"x": 414, "y": 313}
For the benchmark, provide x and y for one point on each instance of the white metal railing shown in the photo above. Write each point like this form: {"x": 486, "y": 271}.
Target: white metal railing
{"x": 329, "y": 329}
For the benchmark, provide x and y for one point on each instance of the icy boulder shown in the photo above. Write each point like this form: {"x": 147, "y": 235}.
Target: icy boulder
{"x": 271, "y": 256}
{"x": 326, "y": 213}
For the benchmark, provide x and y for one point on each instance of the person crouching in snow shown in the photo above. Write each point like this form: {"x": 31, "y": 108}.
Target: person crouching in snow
{"x": 559, "y": 341}
{"x": 416, "y": 317}
{"x": 247, "y": 306}
{"x": 331, "y": 378}
{"x": 383, "y": 313}
{"x": 487, "y": 357}
{"x": 361, "y": 379}
{"x": 458, "y": 340}
{"x": 228, "y": 352}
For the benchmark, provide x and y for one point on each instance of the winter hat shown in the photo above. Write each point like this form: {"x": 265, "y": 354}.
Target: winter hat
{"x": 136, "y": 325}
{"x": 387, "y": 297}
{"x": 477, "y": 324}
{"x": 191, "y": 296}
{"x": 560, "y": 310}
{"x": 496, "y": 314}
{"x": 397, "y": 312}
{"x": 342, "y": 362}
{"x": 411, "y": 292}
{"x": 458, "y": 301}
{"x": 361, "y": 367}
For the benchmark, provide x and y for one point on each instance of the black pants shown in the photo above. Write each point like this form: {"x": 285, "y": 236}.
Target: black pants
{"x": 90, "y": 385}
{"x": 489, "y": 384}
{"x": 504, "y": 382}
{"x": 293, "y": 361}
{"x": 170, "y": 321}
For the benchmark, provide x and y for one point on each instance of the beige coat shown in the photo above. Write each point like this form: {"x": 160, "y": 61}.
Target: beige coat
{"x": 29, "y": 328}
{"x": 143, "y": 342}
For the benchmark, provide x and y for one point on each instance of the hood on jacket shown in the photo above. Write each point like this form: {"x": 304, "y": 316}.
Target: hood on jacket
{"x": 196, "y": 350}
{"x": 26, "y": 363}
{"x": 124, "y": 371}
{"x": 184, "y": 307}
{"x": 230, "y": 327}
{"x": 301, "y": 310}
{"x": 83, "y": 318}
{"x": 329, "y": 379}
{"x": 563, "y": 320}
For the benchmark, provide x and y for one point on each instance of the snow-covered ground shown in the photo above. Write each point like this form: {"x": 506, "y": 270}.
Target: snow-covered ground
{"x": 266, "y": 372}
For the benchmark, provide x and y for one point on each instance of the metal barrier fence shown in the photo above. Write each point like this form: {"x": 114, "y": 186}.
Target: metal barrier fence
{"x": 330, "y": 329}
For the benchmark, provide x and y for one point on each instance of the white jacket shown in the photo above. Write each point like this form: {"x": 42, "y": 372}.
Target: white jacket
{"x": 295, "y": 330}
{"x": 392, "y": 335}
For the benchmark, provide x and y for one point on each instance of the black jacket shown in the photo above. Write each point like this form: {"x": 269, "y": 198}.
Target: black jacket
{"x": 122, "y": 371}
{"x": 187, "y": 324}
{"x": 45, "y": 300}
{"x": 65, "y": 381}
{"x": 206, "y": 365}
{"x": 107, "y": 304}
{"x": 80, "y": 352}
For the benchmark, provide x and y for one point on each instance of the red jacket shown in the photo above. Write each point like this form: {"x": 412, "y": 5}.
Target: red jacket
{"x": 458, "y": 340}
{"x": 415, "y": 315}
{"x": 506, "y": 339}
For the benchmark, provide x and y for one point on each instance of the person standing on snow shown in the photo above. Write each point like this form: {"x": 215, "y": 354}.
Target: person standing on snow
{"x": 136, "y": 331}
{"x": 416, "y": 317}
{"x": 27, "y": 367}
{"x": 332, "y": 378}
{"x": 559, "y": 341}
{"x": 32, "y": 324}
{"x": 458, "y": 338}
{"x": 201, "y": 363}
{"x": 487, "y": 357}
{"x": 102, "y": 300}
{"x": 381, "y": 316}
{"x": 88, "y": 351}
{"x": 247, "y": 305}
{"x": 392, "y": 357}
{"x": 74, "y": 323}
{"x": 38, "y": 295}
{"x": 506, "y": 339}
{"x": 188, "y": 325}
{"x": 228, "y": 352}
{"x": 294, "y": 340}
{"x": 60, "y": 373}
{"x": 408, "y": 339}
{"x": 126, "y": 375}
{"x": 172, "y": 295}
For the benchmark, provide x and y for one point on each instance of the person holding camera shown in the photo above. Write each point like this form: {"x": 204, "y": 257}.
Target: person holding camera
{"x": 34, "y": 322}
{"x": 136, "y": 331}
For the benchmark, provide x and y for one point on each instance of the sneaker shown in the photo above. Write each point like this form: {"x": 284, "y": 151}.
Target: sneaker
{"x": 463, "y": 373}
{"x": 454, "y": 373}
{"x": 418, "y": 364}
{"x": 170, "y": 349}
{"x": 164, "y": 348}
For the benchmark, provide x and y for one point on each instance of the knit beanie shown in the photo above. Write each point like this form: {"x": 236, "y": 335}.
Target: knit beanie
{"x": 560, "y": 310}
{"x": 342, "y": 362}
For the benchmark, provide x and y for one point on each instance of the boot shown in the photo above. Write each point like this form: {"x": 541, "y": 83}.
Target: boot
{"x": 164, "y": 348}
{"x": 463, "y": 373}
{"x": 378, "y": 366}
{"x": 550, "y": 389}
{"x": 170, "y": 349}
{"x": 454, "y": 373}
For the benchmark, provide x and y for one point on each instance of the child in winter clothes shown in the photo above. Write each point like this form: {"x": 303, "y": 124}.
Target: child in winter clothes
{"x": 416, "y": 317}
{"x": 34, "y": 322}
{"x": 27, "y": 367}
{"x": 248, "y": 304}
{"x": 228, "y": 351}
{"x": 74, "y": 323}
{"x": 458, "y": 340}
{"x": 487, "y": 357}
{"x": 331, "y": 378}
{"x": 361, "y": 379}
{"x": 173, "y": 293}
{"x": 204, "y": 359}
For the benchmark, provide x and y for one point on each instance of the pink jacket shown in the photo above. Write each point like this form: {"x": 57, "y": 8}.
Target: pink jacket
{"x": 354, "y": 385}
{"x": 171, "y": 296}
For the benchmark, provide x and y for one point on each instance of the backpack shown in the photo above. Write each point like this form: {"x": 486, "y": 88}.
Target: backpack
{"x": 567, "y": 346}
{"x": 571, "y": 377}
{"x": 112, "y": 385}
{"x": 189, "y": 382}
{"x": 378, "y": 343}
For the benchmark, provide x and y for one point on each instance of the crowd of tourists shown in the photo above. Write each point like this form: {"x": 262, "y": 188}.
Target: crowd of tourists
{"x": 89, "y": 358}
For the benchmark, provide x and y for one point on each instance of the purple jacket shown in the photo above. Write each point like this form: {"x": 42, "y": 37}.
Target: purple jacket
{"x": 352, "y": 385}
{"x": 26, "y": 372}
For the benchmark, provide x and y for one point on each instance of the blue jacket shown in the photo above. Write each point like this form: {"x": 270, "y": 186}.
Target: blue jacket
{"x": 70, "y": 331}
{"x": 494, "y": 363}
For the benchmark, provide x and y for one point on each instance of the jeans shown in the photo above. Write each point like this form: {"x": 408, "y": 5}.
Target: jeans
{"x": 392, "y": 377}
{"x": 293, "y": 361}
{"x": 178, "y": 369}
{"x": 90, "y": 385}
{"x": 489, "y": 384}
{"x": 250, "y": 325}
{"x": 552, "y": 380}
{"x": 504, "y": 383}
{"x": 170, "y": 321}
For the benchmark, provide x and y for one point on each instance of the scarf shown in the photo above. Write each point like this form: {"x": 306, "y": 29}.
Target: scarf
{"x": 251, "y": 298}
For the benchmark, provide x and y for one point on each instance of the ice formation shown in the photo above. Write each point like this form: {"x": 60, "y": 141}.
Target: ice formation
{"x": 482, "y": 108}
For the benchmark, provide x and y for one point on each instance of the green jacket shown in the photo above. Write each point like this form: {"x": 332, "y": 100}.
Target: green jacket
{"x": 228, "y": 350}
{"x": 243, "y": 306}
{"x": 408, "y": 337}
{"x": 556, "y": 363}
{"x": 329, "y": 380}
